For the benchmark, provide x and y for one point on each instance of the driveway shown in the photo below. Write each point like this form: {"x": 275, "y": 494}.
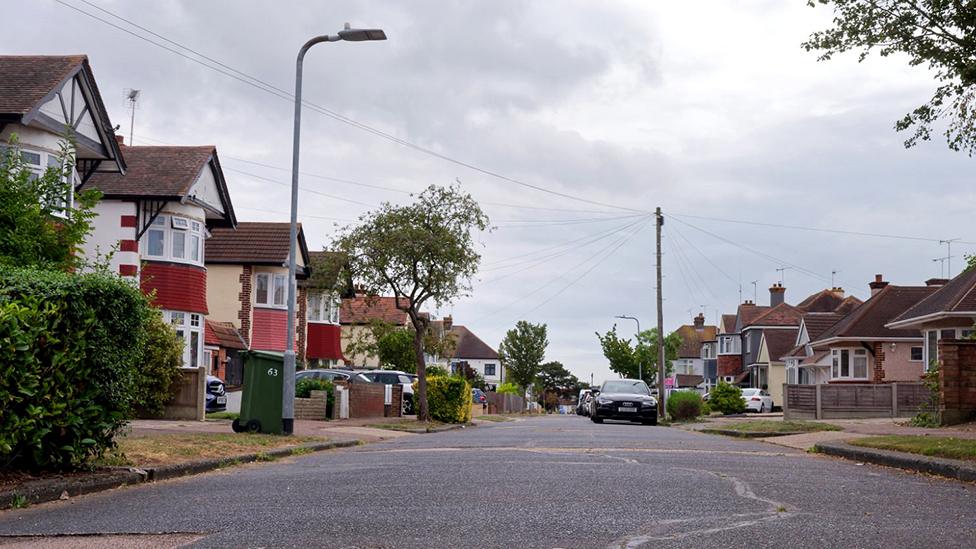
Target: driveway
{"x": 541, "y": 482}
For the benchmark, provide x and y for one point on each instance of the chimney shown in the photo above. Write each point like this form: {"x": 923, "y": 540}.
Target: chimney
{"x": 937, "y": 282}
{"x": 700, "y": 322}
{"x": 448, "y": 322}
{"x": 748, "y": 303}
{"x": 120, "y": 139}
{"x": 878, "y": 284}
{"x": 838, "y": 291}
{"x": 777, "y": 294}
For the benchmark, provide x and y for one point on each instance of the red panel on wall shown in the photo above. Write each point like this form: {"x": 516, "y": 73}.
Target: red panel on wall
{"x": 268, "y": 329}
{"x": 324, "y": 341}
{"x": 178, "y": 287}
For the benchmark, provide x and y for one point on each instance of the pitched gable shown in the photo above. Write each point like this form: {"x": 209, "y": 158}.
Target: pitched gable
{"x": 956, "y": 297}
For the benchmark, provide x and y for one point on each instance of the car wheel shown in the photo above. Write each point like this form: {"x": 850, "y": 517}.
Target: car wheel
{"x": 236, "y": 426}
{"x": 408, "y": 406}
{"x": 650, "y": 421}
{"x": 762, "y": 408}
{"x": 253, "y": 426}
{"x": 595, "y": 419}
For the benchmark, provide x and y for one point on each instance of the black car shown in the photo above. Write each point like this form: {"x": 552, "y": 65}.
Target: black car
{"x": 216, "y": 395}
{"x": 624, "y": 399}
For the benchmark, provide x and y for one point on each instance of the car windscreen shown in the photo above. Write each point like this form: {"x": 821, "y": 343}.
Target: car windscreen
{"x": 750, "y": 392}
{"x": 628, "y": 387}
{"x": 405, "y": 379}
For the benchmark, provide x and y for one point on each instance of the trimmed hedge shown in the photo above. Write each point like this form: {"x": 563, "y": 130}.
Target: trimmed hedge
{"x": 684, "y": 405}
{"x": 448, "y": 399}
{"x": 71, "y": 344}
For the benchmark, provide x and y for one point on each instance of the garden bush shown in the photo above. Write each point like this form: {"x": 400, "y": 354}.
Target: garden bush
{"x": 684, "y": 405}
{"x": 304, "y": 387}
{"x": 509, "y": 389}
{"x": 448, "y": 399}
{"x": 71, "y": 345}
{"x": 159, "y": 368}
{"x": 727, "y": 399}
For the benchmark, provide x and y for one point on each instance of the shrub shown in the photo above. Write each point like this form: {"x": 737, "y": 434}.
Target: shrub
{"x": 435, "y": 371}
{"x": 304, "y": 387}
{"x": 684, "y": 405}
{"x": 727, "y": 399}
{"x": 448, "y": 399}
{"x": 160, "y": 367}
{"x": 71, "y": 345}
{"x": 509, "y": 389}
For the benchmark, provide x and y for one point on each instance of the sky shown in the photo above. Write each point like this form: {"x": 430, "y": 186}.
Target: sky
{"x": 710, "y": 110}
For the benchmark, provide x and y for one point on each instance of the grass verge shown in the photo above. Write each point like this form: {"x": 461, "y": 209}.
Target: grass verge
{"x": 407, "y": 425}
{"x": 944, "y": 447}
{"x": 768, "y": 426}
{"x": 169, "y": 449}
{"x": 223, "y": 415}
{"x": 497, "y": 419}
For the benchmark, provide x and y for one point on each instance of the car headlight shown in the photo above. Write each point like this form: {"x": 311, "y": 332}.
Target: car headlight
{"x": 649, "y": 403}
{"x": 601, "y": 400}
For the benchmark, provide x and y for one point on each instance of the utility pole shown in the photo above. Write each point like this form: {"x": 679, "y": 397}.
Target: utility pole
{"x": 661, "y": 393}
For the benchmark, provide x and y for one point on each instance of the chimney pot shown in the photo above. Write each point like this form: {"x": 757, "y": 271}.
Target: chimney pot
{"x": 777, "y": 294}
{"x": 878, "y": 284}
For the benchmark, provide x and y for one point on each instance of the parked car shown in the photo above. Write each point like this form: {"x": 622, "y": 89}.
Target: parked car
{"x": 757, "y": 400}
{"x": 581, "y": 402}
{"x": 394, "y": 377}
{"x": 624, "y": 399}
{"x": 478, "y": 396}
{"x": 216, "y": 395}
{"x": 332, "y": 375}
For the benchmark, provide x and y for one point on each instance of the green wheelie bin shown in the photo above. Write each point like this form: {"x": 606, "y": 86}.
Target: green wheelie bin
{"x": 261, "y": 401}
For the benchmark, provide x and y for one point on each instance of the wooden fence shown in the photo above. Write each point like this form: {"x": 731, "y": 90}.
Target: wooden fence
{"x": 503, "y": 403}
{"x": 189, "y": 395}
{"x": 850, "y": 401}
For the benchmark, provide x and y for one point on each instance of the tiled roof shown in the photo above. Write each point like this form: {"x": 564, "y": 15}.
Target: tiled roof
{"x": 688, "y": 380}
{"x": 223, "y": 334}
{"x": 957, "y": 296}
{"x": 848, "y": 305}
{"x": 813, "y": 359}
{"x": 25, "y": 80}
{"x": 824, "y": 301}
{"x": 361, "y": 310}
{"x": 868, "y": 320}
{"x": 469, "y": 346}
{"x": 748, "y": 312}
{"x": 779, "y": 342}
{"x": 155, "y": 172}
{"x": 728, "y": 324}
{"x": 691, "y": 340}
{"x": 818, "y": 323}
{"x": 253, "y": 243}
{"x": 783, "y": 314}
{"x": 799, "y": 350}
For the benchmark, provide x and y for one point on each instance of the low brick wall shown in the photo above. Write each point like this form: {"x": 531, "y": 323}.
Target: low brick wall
{"x": 189, "y": 395}
{"x": 957, "y": 380}
{"x": 315, "y": 407}
{"x": 368, "y": 400}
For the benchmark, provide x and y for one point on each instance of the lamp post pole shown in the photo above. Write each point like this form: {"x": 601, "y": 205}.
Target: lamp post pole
{"x": 288, "y": 381}
{"x": 640, "y": 367}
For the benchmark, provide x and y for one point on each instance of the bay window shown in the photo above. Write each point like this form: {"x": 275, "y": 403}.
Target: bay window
{"x": 270, "y": 289}
{"x": 175, "y": 238}
{"x": 189, "y": 328}
{"x": 323, "y": 307}
{"x": 849, "y": 364}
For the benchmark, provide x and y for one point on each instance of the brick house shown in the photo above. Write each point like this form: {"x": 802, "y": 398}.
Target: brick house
{"x": 356, "y": 314}
{"x": 323, "y": 347}
{"x": 224, "y": 343}
{"x": 248, "y": 283}
{"x": 696, "y": 339}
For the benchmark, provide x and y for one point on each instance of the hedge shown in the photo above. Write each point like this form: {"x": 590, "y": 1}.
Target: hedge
{"x": 727, "y": 399}
{"x": 70, "y": 344}
{"x": 448, "y": 399}
{"x": 684, "y": 405}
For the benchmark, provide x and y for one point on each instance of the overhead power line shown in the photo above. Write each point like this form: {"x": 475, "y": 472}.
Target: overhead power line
{"x": 266, "y": 87}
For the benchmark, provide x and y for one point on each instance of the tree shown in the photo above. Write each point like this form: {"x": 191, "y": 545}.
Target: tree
{"x": 36, "y": 227}
{"x": 934, "y": 33}
{"x": 421, "y": 252}
{"x": 625, "y": 357}
{"x": 522, "y": 352}
{"x": 552, "y": 380}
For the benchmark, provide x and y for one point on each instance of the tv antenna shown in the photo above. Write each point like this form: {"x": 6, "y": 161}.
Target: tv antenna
{"x": 131, "y": 96}
{"x": 948, "y": 244}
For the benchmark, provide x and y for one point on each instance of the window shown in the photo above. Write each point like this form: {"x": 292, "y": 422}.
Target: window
{"x": 916, "y": 354}
{"x": 490, "y": 370}
{"x": 849, "y": 364}
{"x": 270, "y": 289}
{"x": 948, "y": 334}
{"x": 314, "y": 307}
{"x": 261, "y": 288}
{"x": 748, "y": 344}
{"x": 37, "y": 162}
{"x": 931, "y": 348}
{"x": 189, "y": 328}
{"x": 279, "y": 289}
{"x": 175, "y": 238}
{"x": 323, "y": 307}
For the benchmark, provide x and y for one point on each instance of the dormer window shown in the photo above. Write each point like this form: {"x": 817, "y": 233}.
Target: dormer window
{"x": 175, "y": 238}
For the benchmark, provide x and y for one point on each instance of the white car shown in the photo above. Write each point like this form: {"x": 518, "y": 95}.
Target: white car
{"x": 757, "y": 400}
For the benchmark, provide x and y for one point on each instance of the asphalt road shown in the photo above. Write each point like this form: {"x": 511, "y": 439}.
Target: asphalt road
{"x": 543, "y": 482}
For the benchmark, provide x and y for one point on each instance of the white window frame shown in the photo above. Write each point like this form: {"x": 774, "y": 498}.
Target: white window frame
{"x": 272, "y": 280}
{"x": 45, "y": 161}
{"x": 324, "y": 309}
{"x": 853, "y": 355}
{"x": 913, "y": 347}
{"x": 930, "y": 343}
{"x": 169, "y": 226}
{"x": 188, "y": 325}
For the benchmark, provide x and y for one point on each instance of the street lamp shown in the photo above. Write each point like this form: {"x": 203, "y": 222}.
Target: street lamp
{"x": 288, "y": 387}
{"x": 640, "y": 369}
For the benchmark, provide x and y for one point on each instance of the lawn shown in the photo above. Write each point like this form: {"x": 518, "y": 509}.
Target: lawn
{"x": 168, "y": 449}
{"x": 497, "y": 419}
{"x": 769, "y": 426}
{"x": 406, "y": 425}
{"x": 223, "y": 415}
{"x": 944, "y": 447}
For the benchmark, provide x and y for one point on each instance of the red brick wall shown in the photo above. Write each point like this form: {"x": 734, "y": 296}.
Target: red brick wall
{"x": 366, "y": 400}
{"x": 729, "y": 365}
{"x": 957, "y": 380}
{"x": 879, "y": 358}
{"x": 269, "y": 329}
{"x": 178, "y": 287}
{"x": 300, "y": 329}
{"x": 244, "y": 315}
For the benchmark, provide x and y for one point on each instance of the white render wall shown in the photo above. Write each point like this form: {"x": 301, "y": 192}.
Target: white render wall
{"x": 108, "y": 231}
{"x": 479, "y": 366}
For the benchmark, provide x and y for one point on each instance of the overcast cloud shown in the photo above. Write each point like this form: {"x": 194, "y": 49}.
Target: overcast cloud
{"x": 708, "y": 108}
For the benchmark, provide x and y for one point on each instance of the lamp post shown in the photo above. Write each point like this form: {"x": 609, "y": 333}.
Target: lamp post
{"x": 640, "y": 368}
{"x": 288, "y": 387}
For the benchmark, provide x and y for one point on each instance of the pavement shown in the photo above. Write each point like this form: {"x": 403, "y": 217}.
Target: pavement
{"x": 558, "y": 481}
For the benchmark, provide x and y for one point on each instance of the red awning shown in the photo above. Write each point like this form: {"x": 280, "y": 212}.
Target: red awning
{"x": 324, "y": 342}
